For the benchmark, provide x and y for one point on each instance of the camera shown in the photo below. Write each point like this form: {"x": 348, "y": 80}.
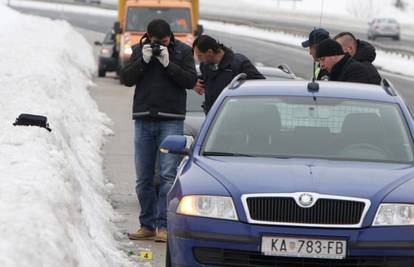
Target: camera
{"x": 156, "y": 49}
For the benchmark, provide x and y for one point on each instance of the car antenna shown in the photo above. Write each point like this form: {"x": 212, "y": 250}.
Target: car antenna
{"x": 314, "y": 86}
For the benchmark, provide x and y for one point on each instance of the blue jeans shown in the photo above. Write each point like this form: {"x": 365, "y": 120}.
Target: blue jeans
{"x": 148, "y": 137}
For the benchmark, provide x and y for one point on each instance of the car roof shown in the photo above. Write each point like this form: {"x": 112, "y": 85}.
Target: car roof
{"x": 273, "y": 73}
{"x": 299, "y": 88}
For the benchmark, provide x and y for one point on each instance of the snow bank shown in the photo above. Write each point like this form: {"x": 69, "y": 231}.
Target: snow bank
{"x": 53, "y": 199}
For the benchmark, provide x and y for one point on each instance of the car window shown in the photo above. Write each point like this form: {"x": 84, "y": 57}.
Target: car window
{"x": 178, "y": 18}
{"x": 108, "y": 38}
{"x": 327, "y": 128}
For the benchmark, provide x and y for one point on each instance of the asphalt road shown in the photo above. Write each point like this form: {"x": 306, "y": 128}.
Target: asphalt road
{"x": 116, "y": 101}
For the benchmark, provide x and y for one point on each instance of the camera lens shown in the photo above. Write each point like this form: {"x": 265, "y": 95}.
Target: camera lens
{"x": 156, "y": 49}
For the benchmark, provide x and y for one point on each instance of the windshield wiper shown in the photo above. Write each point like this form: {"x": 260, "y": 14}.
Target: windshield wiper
{"x": 226, "y": 154}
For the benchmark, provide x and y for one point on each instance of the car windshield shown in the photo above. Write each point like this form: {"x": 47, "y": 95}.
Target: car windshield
{"x": 194, "y": 101}
{"x": 328, "y": 128}
{"x": 178, "y": 18}
{"x": 109, "y": 38}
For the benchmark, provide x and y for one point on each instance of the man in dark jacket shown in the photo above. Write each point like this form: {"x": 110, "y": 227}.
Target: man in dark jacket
{"x": 315, "y": 37}
{"x": 161, "y": 68}
{"x": 360, "y": 51}
{"x": 218, "y": 66}
{"x": 340, "y": 66}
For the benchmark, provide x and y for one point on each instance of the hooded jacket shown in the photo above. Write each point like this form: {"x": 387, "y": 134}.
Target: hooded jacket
{"x": 366, "y": 55}
{"x": 160, "y": 93}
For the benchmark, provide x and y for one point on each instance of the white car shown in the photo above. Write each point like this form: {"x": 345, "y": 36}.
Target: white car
{"x": 384, "y": 27}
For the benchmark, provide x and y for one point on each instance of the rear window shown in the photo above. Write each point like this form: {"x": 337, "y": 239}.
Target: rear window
{"x": 301, "y": 127}
{"x": 387, "y": 21}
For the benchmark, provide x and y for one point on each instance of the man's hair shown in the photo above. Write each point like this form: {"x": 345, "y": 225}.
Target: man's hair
{"x": 342, "y": 34}
{"x": 159, "y": 28}
{"x": 350, "y": 38}
{"x": 206, "y": 42}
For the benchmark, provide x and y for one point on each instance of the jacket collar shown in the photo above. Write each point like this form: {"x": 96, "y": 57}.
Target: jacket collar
{"x": 337, "y": 68}
{"x": 225, "y": 62}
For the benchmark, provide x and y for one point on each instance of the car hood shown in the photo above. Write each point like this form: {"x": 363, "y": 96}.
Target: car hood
{"x": 242, "y": 175}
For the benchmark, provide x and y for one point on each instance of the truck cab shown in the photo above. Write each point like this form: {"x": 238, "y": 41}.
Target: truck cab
{"x": 135, "y": 15}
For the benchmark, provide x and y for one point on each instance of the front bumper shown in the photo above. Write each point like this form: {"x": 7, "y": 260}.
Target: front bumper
{"x": 107, "y": 63}
{"x": 197, "y": 241}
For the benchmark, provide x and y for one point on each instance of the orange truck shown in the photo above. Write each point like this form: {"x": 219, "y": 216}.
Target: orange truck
{"x": 134, "y": 16}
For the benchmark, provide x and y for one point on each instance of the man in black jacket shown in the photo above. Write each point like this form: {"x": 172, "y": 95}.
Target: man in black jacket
{"x": 161, "y": 68}
{"x": 340, "y": 66}
{"x": 360, "y": 51}
{"x": 218, "y": 66}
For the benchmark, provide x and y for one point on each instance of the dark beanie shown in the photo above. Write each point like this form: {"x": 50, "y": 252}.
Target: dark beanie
{"x": 328, "y": 48}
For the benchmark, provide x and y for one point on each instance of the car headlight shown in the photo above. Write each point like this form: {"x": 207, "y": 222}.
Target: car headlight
{"x": 394, "y": 215}
{"x": 127, "y": 49}
{"x": 105, "y": 52}
{"x": 208, "y": 206}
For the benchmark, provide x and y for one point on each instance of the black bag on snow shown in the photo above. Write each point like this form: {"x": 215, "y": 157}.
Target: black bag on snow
{"x": 32, "y": 120}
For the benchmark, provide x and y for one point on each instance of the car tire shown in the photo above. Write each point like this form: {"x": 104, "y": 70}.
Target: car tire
{"x": 101, "y": 73}
{"x": 167, "y": 256}
{"x": 373, "y": 38}
{"x": 396, "y": 38}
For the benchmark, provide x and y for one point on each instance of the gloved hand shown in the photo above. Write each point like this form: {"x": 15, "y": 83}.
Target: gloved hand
{"x": 164, "y": 57}
{"x": 147, "y": 53}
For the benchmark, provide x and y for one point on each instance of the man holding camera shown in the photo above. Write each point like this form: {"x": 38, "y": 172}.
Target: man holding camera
{"x": 218, "y": 66}
{"x": 161, "y": 68}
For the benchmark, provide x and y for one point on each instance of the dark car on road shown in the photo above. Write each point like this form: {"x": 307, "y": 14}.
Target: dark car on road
{"x": 291, "y": 173}
{"x": 107, "y": 61}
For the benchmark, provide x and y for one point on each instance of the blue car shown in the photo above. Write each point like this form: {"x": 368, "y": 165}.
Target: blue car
{"x": 292, "y": 173}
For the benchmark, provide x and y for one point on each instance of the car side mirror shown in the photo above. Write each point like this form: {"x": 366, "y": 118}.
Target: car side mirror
{"x": 177, "y": 144}
{"x": 199, "y": 31}
{"x": 97, "y": 43}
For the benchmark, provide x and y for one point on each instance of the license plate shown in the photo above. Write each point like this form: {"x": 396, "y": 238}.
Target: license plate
{"x": 303, "y": 247}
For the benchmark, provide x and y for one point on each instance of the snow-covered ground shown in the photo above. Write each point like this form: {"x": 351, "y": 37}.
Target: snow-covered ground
{"x": 54, "y": 208}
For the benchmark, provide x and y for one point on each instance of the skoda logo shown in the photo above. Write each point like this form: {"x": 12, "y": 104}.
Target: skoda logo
{"x": 306, "y": 200}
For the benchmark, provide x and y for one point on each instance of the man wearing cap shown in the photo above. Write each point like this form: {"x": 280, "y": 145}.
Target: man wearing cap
{"x": 339, "y": 65}
{"x": 315, "y": 37}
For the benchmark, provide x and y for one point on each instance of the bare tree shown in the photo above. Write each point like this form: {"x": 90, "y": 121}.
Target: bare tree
{"x": 399, "y": 4}
{"x": 363, "y": 9}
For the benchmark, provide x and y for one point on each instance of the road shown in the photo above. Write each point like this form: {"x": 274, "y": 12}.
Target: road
{"x": 116, "y": 101}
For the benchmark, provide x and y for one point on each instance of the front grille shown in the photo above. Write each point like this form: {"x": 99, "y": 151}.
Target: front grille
{"x": 233, "y": 258}
{"x": 324, "y": 212}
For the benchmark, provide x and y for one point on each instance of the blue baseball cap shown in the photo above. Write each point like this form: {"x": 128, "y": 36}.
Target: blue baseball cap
{"x": 315, "y": 37}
